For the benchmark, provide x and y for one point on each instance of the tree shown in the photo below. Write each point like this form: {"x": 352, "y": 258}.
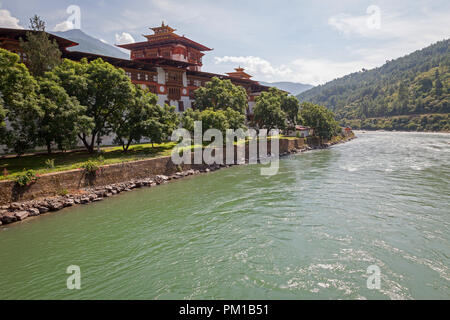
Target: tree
{"x": 235, "y": 119}
{"x": 291, "y": 106}
{"x": 438, "y": 84}
{"x": 131, "y": 126}
{"x": 104, "y": 90}
{"x": 144, "y": 118}
{"x": 62, "y": 116}
{"x": 268, "y": 113}
{"x": 18, "y": 109}
{"x": 319, "y": 118}
{"x": 41, "y": 53}
{"x": 221, "y": 95}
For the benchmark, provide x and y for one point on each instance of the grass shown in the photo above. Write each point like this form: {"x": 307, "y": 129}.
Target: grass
{"x": 45, "y": 163}
{"x": 74, "y": 160}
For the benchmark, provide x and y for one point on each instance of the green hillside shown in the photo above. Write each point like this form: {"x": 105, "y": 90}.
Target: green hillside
{"x": 409, "y": 93}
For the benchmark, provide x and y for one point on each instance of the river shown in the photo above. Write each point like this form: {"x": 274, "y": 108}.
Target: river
{"x": 309, "y": 232}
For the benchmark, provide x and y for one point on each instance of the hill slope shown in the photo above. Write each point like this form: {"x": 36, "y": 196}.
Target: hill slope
{"x": 90, "y": 44}
{"x": 395, "y": 96}
{"x": 291, "y": 87}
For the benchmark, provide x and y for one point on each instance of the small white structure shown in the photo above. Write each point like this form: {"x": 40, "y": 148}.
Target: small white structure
{"x": 301, "y": 132}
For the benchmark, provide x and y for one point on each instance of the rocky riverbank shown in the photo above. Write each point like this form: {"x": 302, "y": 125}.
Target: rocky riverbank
{"x": 20, "y": 211}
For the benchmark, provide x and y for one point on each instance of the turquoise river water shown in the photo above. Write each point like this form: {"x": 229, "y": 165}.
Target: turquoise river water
{"x": 309, "y": 232}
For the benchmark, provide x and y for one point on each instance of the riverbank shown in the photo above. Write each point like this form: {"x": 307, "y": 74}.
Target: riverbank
{"x": 113, "y": 180}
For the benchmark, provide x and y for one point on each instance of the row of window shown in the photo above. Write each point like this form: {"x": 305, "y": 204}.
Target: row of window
{"x": 142, "y": 76}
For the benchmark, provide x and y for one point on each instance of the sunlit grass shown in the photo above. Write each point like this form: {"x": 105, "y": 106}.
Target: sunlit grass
{"x": 11, "y": 167}
{"x": 74, "y": 160}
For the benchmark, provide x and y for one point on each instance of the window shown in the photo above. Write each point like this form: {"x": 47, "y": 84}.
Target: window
{"x": 152, "y": 53}
{"x": 139, "y": 76}
{"x": 174, "y": 93}
{"x": 166, "y": 53}
{"x": 146, "y": 77}
{"x": 128, "y": 74}
{"x": 152, "y": 89}
{"x": 173, "y": 76}
{"x": 181, "y": 106}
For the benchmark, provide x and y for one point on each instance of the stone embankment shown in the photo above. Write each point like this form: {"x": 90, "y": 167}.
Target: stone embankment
{"x": 19, "y": 211}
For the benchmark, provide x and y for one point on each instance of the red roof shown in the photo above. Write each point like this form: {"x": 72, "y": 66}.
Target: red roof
{"x": 302, "y": 128}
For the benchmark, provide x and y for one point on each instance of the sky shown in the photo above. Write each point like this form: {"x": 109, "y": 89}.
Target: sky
{"x": 279, "y": 40}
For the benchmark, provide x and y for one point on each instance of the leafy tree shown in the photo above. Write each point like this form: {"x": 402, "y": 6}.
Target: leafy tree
{"x": 145, "y": 119}
{"x": 291, "y": 106}
{"x": 42, "y": 54}
{"x": 438, "y": 84}
{"x": 62, "y": 117}
{"x": 319, "y": 118}
{"x": 104, "y": 90}
{"x": 19, "y": 108}
{"x": 235, "y": 119}
{"x": 168, "y": 120}
{"x": 268, "y": 113}
{"x": 221, "y": 95}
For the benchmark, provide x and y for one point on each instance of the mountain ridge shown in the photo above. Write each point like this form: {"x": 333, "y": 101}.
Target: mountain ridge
{"x": 90, "y": 44}
{"x": 415, "y": 84}
{"x": 294, "y": 88}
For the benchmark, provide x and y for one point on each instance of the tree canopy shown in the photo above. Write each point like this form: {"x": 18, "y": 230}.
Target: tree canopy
{"x": 319, "y": 118}
{"x": 221, "y": 95}
{"x": 41, "y": 53}
{"x": 104, "y": 90}
{"x": 19, "y": 107}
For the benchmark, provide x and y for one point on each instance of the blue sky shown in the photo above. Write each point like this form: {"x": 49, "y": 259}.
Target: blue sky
{"x": 283, "y": 40}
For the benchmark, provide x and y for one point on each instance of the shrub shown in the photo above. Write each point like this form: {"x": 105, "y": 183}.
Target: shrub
{"x": 27, "y": 178}
{"x": 90, "y": 167}
{"x": 50, "y": 163}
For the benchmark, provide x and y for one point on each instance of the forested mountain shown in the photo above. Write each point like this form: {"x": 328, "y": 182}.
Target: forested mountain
{"x": 409, "y": 93}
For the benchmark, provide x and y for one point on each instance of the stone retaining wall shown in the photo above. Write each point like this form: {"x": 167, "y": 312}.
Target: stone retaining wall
{"x": 68, "y": 181}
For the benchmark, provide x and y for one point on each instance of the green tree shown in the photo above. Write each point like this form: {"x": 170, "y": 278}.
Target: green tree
{"x": 42, "y": 54}
{"x": 438, "y": 84}
{"x": 104, "y": 90}
{"x": 268, "y": 113}
{"x": 132, "y": 125}
{"x": 221, "y": 95}
{"x": 19, "y": 108}
{"x": 235, "y": 119}
{"x": 291, "y": 106}
{"x": 161, "y": 125}
{"x": 319, "y": 118}
{"x": 62, "y": 116}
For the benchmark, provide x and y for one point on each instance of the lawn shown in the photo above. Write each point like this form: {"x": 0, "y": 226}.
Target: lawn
{"x": 12, "y": 166}
{"x": 73, "y": 160}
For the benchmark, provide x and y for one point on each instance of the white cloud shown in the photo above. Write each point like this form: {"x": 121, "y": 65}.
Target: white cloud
{"x": 124, "y": 38}
{"x": 426, "y": 27}
{"x": 63, "y": 26}
{"x": 8, "y": 21}
{"x": 257, "y": 66}
{"x": 319, "y": 71}
{"x": 308, "y": 71}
